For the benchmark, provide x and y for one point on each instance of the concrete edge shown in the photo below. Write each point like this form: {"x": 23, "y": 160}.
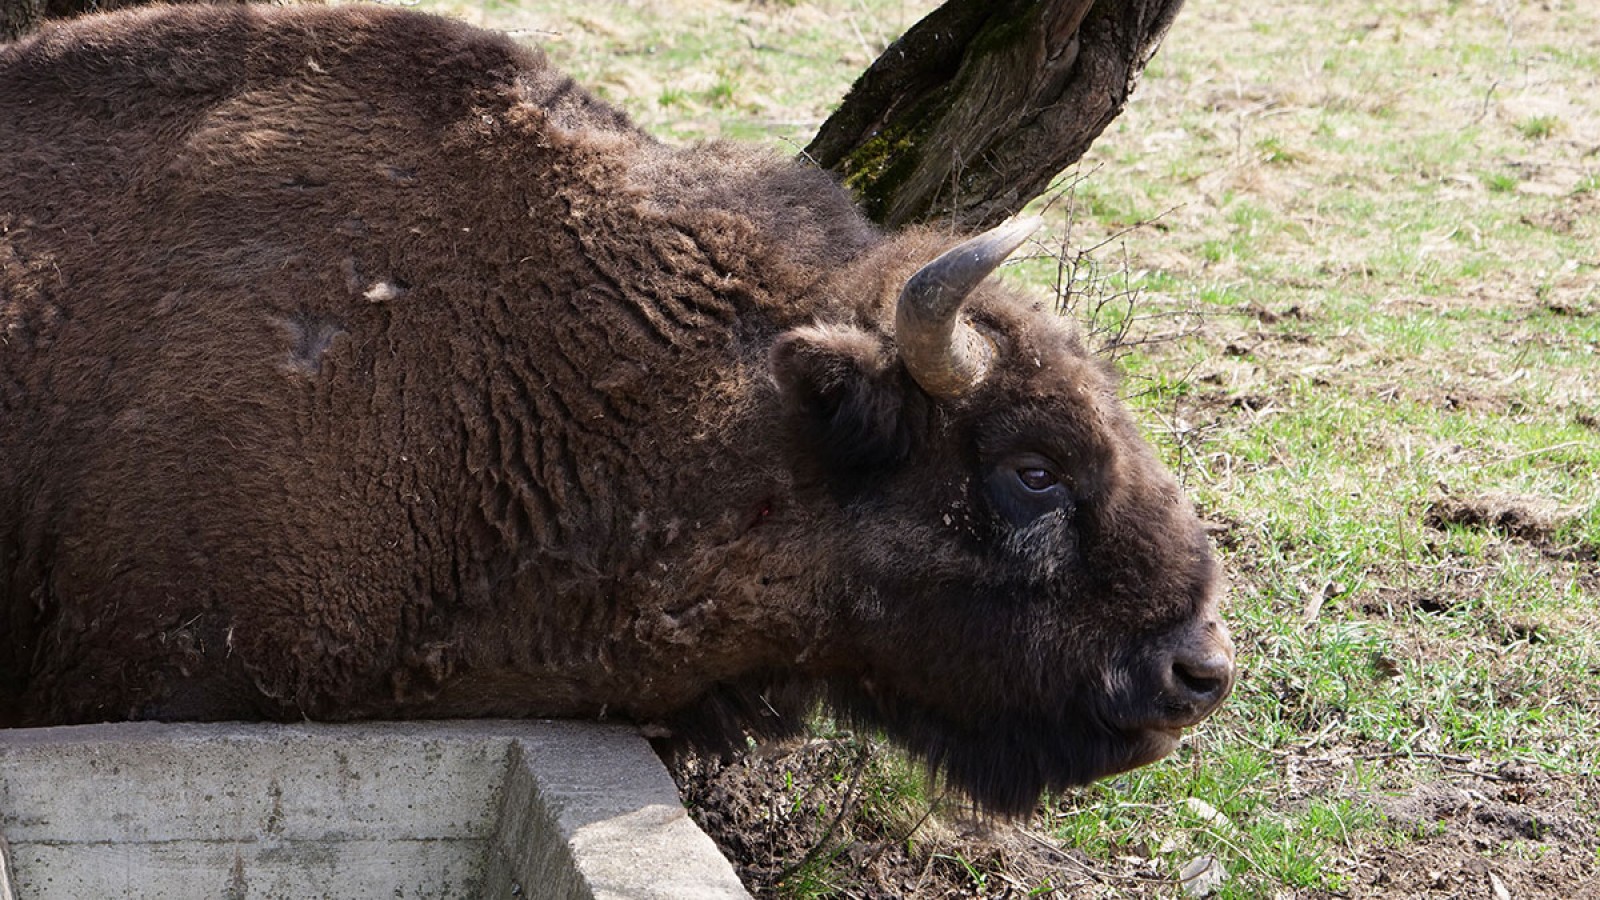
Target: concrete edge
{"x": 637, "y": 825}
{"x": 8, "y": 891}
{"x": 623, "y": 832}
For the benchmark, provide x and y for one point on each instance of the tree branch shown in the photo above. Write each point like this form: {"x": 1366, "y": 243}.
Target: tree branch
{"x": 971, "y": 114}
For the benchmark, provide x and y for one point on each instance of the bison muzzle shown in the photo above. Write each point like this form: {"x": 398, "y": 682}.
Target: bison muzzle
{"x": 356, "y": 364}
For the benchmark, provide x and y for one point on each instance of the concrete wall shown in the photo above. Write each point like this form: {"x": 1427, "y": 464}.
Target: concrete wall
{"x": 401, "y": 810}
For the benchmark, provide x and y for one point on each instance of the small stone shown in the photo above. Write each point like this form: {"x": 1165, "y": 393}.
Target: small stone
{"x": 383, "y": 291}
{"x": 1202, "y": 876}
{"x": 1208, "y": 814}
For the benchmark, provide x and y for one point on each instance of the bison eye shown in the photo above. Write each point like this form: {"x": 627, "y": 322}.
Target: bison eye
{"x": 1037, "y": 479}
{"x": 1026, "y": 486}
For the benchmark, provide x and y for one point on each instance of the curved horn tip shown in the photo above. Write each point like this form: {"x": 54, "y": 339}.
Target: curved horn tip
{"x": 1012, "y": 234}
{"x": 946, "y": 357}
{"x": 998, "y": 243}
{"x": 939, "y": 288}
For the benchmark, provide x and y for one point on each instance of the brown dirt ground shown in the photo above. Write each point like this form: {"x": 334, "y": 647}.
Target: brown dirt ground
{"x": 771, "y": 830}
{"x": 1472, "y": 826}
{"x": 1516, "y": 831}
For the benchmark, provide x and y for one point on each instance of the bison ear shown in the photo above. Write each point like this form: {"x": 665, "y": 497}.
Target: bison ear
{"x": 848, "y": 395}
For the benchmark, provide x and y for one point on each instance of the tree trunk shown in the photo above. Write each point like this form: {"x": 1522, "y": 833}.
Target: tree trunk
{"x": 972, "y": 113}
{"x": 18, "y": 17}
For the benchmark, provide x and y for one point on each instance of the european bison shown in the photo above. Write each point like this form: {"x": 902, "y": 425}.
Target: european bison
{"x": 356, "y": 364}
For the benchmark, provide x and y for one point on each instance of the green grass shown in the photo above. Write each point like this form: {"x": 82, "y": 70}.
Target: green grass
{"x": 1433, "y": 354}
{"x": 1539, "y": 127}
{"x": 1429, "y": 356}
{"x": 767, "y": 72}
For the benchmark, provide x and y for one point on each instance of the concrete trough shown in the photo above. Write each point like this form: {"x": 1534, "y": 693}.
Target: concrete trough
{"x": 398, "y": 810}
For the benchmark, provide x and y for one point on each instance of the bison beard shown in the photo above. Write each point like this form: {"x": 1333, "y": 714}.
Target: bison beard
{"x": 355, "y": 364}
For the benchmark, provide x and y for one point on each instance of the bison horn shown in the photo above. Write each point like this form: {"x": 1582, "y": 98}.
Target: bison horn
{"x": 947, "y": 358}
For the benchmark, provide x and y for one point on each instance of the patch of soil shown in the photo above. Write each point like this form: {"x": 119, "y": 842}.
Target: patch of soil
{"x": 1528, "y": 518}
{"x": 1515, "y": 832}
{"x": 1271, "y": 317}
{"x": 800, "y": 818}
{"x": 792, "y": 821}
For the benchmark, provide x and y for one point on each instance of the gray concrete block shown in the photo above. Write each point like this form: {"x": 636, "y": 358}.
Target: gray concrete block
{"x": 405, "y": 809}
{"x": 6, "y": 892}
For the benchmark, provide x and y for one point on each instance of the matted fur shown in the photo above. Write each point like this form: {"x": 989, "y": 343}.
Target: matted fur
{"x": 356, "y": 364}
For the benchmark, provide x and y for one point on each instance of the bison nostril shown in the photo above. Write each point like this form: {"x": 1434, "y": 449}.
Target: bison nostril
{"x": 1205, "y": 679}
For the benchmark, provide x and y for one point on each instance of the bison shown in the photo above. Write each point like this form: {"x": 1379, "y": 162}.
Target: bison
{"x": 355, "y": 363}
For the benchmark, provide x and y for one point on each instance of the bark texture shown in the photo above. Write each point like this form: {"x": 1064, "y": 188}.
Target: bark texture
{"x": 970, "y": 114}
{"x": 18, "y": 17}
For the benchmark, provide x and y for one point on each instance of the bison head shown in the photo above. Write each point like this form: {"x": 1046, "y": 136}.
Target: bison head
{"x": 1019, "y": 592}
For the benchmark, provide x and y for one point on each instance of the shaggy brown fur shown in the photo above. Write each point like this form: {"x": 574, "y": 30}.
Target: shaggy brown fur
{"x": 354, "y": 363}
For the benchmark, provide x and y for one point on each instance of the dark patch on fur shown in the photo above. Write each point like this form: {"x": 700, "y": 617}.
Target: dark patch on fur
{"x": 309, "y": 339}
{"x": 856, "y": 411}
{"x": 763, "y": 707}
